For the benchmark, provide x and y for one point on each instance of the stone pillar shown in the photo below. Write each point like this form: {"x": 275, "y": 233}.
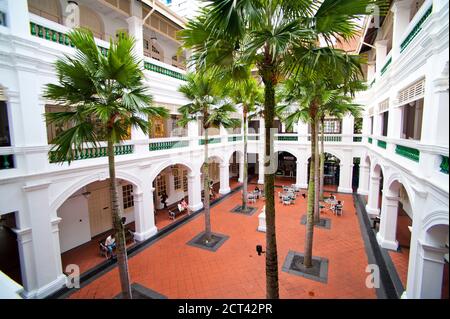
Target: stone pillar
{"x": 381, "y": 48}
{"x": 224, "y": 178}
{"x": 195, "y": 191}
{"x": 302, "y": 174}
{"x": 241, "y": 168}
{"x": 223, "y": 134}
{"x": 193, "y": 128}
{"x": 364, "y": 171}
{"x": 302, "y": 130}
{"x": 43, "y": 243}
{"x": 346, "y": 173}
{"x": 347, "y": 129}
{"x": 370, "y": 71}
{"x": 374, "y": 194}
{"x": 26, "y": 255}
{"x": 402, "y": 15}
{"x": 144, "y": 214}
{"x": 387, "y": 235}
{"x": 429, "y": 268}
{"x": 17, "y": 17}
{"x": 261, "y": 169}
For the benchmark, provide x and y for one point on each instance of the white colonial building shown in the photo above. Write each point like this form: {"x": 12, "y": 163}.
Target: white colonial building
{"x": 398, "y": 159}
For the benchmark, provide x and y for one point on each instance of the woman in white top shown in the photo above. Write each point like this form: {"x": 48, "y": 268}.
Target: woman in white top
{"x": 110, "y": 243}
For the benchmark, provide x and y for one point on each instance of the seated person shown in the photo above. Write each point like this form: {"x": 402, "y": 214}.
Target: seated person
{"x": 110, "y": 244}
{"x": 332, "y": 198}
{"x": 184, "y": 206}
{"x": 338, "y": 207}
{"x": 257, "y": 191}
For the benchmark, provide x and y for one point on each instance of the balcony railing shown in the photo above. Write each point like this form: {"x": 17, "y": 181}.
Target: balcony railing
{"x": 382, "y": 144}
{"x": 235, "y": 138}
{"x": 6, "y": 161}
{"x": 53, "y": 32}
{"x": 329, "y": 138}
{"x": 2, "y": 19}
{"x": 416, "y": 29}
{"x": 408, "y": 152}
{"x": 386, "y": 65}
{"x": 370, "y": 140}
{"x": 167, "y": 145}
{"x": 96, "y": 152}
{"x": 444, "y": 165}
{"x": 286, "y": 137}
{"x": 214, "y": 140}
{"x": 357, "y": 139}
{"x": 253, "y": 137}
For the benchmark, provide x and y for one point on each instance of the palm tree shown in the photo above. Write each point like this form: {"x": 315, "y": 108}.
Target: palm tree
{"x": 315, "y": 90}
{"x": 209, "y": 104}
{"x": 339, "y": 106}
{"x": 265, "y": 33}
{"x": 248, "y": 94}
{"x": 102, "y": 97}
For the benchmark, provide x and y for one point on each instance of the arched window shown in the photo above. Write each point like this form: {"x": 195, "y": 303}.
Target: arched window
{"x": 48, "y": 9}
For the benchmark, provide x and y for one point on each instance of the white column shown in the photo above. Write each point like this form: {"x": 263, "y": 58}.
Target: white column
{"x": 430, "y": 268}
{"x": 302, "y": 129}
{"x": 347, "y": 129}
{"x": 373, "y": 198}
{"x": 402, "y": 15}
{"x": 224, "y": 178}
{"x": 48, "y": 276}
{"x": 381, "y": 48}
{"x": 346, "y": 173}
{"x": 241, "y": 168}
{"x": 302, "y": 174}
{"x": 195, "y": 191}
{"x": 144, "y": 214}
{"x": 261, "y": 169}
{"x": 17, "y": 17}
{"x": 193, "y": 128}
{"x": 223, "y": 134}
{"x": 363, "y": 188}
{"x": 370, "y": 71}
{"x": 26, "y": 255}
{"x": 387, "y": 235}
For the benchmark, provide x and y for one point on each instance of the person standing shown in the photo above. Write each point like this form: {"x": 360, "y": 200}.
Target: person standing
{"x": 164, "y": 198}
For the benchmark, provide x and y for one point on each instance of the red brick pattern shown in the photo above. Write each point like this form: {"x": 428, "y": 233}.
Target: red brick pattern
{"x": 177, "y": 270}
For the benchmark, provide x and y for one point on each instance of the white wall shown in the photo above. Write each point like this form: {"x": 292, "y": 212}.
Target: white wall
{"x": 74, "y": 228}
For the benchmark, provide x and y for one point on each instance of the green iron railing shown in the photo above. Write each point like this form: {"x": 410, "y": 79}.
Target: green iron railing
{"x": 357, "y": 139}
{"x": 444, "y": 165}
{"x": 159, "y": 146}
{"x": 287, "y": 138}
{"x": 2, "y": 19}
{"x": 6, "y": 161}
{"x": 372, "y": 83}
{"x": 370, "y": 140}
{"x": 408, "y": 152}
{"x": 415, "y": 31}
{"x": 386, "y": 66}
{"x": 332, "y": 138}
{"x": 216, "y": 140}
{"x": 161, "y": 70}
{"x": 96, "y": 152}
{"x": 382, "y": 144}
{"x": 234, "y": 138}
{"x": 253, "y": 138}
{"x": 56, "y": 36}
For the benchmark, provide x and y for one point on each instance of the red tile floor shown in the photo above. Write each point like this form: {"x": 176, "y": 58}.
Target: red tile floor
{"x": 87, "y": 256}
{"x": 177, "y": 270}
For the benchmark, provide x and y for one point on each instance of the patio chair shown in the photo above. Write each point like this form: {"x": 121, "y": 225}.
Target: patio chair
{"x": 287, "y": 200}
{"x": 103, "y": 249}
{"x": 251, "y": 198}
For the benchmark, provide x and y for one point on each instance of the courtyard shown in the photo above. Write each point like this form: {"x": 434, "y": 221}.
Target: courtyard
{"x": 173, "y": 269}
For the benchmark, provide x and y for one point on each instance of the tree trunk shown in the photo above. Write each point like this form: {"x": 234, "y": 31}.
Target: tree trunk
{"x": 311, "y": 196}
{"x": 206, "y": 189}
{"x": 316, "y": 173}
{"x": 121, "y": 251}
{"x": 271, "y": 242}
{"x": 245, "y": 168}
{"x": 322, "y": 159}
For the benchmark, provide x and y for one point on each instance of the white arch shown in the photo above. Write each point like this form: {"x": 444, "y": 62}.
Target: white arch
{"x": 61, "y": 198}
{"x": 396, "y": 177}
{"x": 168, "y": 163}
{"x": 230, "y": 155}
{"x": 438, "y": 217}
{"x": 339, "y": 157}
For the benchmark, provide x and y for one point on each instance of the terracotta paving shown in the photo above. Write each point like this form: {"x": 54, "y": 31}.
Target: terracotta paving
{"x": 401, "y": 260}
{"x": 87, "y": 256}
{"x": 177, "y": 270}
